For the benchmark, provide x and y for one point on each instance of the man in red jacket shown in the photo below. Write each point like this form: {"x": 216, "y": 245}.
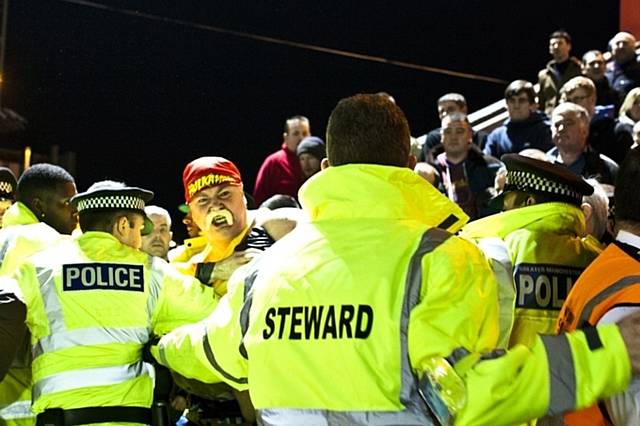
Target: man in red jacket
{"x": 280, "y": 172}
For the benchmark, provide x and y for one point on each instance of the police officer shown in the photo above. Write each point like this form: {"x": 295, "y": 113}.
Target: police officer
{"x": 353, "y": 315}
{"x": 40, "y": 213}
{"x": 7, "y": 190}
{"x": 540, "y": 235}
{"x": 92, "y": 304}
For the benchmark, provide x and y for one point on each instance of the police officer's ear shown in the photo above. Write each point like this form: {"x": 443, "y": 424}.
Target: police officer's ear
{"x": 324, "y": 163}
{"x": 121, "y": 226}
{"x": 38, "y": 207}
{"x": 412, "y": 161}
{"x": 587, "y": 210}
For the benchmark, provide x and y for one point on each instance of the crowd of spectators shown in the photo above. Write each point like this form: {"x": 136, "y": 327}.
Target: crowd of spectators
{"x": 583, "y": 115}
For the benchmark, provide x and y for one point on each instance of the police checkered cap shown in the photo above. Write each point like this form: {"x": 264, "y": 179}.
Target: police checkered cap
{"x": 530, "y": 182}
{"x": 109, "y": 195}
{"x": 535, "y": 176}
{"x": 7, "y": 183}
{"x": 111, "y": 202}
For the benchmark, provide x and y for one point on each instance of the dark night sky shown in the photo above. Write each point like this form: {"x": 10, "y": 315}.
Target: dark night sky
{"x": 150, "y": 96}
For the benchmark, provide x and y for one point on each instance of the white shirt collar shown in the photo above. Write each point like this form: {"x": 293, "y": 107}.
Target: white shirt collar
{"x": 628, "y": 238}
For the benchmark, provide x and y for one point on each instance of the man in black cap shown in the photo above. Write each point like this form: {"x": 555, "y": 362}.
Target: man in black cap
{"x": 310, "y": 152}
{"x": 538, "y": 248}
{"x": 92, "y": 304}
{"x": 7, "y": 190}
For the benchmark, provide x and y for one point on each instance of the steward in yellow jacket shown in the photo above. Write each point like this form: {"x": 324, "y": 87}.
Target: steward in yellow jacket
{"x": 541, "y": 235}
{"x": 93, "y": 303}
{"x": 42, "y": 194}
{"x": 374, "y": 313}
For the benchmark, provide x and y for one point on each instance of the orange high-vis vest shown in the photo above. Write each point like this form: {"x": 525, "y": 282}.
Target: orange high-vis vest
{"x": 613, "y": 279}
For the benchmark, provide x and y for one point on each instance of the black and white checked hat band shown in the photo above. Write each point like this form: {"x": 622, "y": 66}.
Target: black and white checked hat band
{"x": 6, "y": 188}
{"x": 108, "y": 202}
{"x": 530, "y": 182}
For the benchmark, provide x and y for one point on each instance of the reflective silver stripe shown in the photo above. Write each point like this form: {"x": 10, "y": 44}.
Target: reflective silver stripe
{"x": 288, "y": 416}
{"x": 496, "y": 250}
{"x": 88, "y": 377}
{"x": 16, "y": 410}
{"x": 163, "y": 356}
{"x": 248, "y": 299}
{"x": 90, "y": 336}
{"x": 246, "y": 307}
{"x": 156, "y": 274}
{"x": 52, "y": 305}
{"x": 4, "y": 248}
{"x": 208, "y": 351}
{"x": 413, "y": 286}
{"x": 562, "y": 377}
{"x": 604, "y": 294}
{"x": 415, "y": 412}
{"x": 9, "y": 235}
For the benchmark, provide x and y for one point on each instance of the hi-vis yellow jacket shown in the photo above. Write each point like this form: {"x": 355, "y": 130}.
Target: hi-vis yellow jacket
{"x": 21, "y": 236}
{"x": 92, "y": 304}
{"x": 546, "y": 255}
{"x": 187, "y": 250}
{"x": 338, "y": 322}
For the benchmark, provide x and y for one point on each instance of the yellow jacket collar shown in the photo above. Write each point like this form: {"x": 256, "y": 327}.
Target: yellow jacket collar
{"x": 561, "y": 218}
{"x": 356, "y": 191}
{"x": 216, "y": 253}
{"x": 18, "y": 214}
{"x": 103, "y": 245}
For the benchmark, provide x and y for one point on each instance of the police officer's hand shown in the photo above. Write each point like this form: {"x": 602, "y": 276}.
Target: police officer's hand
{"x": 225, "y": 268}
{"x": 630, "y": 330}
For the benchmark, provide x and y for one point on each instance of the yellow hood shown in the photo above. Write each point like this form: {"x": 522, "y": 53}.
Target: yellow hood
{"x": 372, "y": 191}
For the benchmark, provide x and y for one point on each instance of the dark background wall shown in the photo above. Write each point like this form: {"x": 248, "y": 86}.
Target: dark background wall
{"x": 149, "y": 96}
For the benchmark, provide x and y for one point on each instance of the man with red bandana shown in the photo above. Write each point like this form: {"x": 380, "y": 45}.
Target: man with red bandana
{"x": 213, "y": 191}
